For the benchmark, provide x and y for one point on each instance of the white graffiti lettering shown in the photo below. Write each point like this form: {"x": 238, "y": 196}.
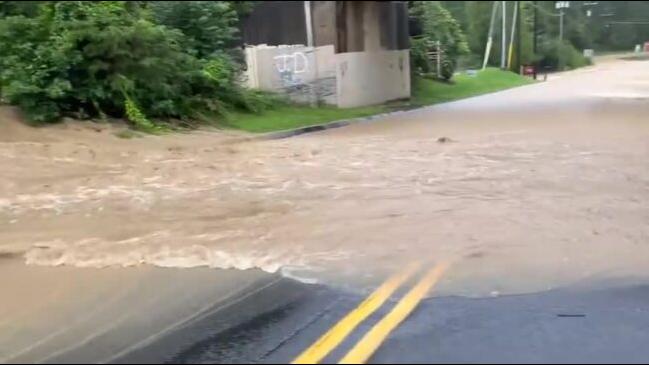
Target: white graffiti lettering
{"x": 296, "y": 62}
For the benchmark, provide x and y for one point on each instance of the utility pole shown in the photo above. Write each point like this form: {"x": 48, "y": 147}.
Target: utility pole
{"x": 311, "y": 44}
{"x": 561, "y": 25}
{"x": 309, "y": 24}
{"x": 534, "y": 35}
{"x": 490, "y": 38}
{"x": 534, "y": 5}
{"x": 503, "y": 46}
{"x": 438, "y": 47}
{"x": 519, "y": 40}
{"x": 511, "y": 38}
{"x": 560, "y": 5}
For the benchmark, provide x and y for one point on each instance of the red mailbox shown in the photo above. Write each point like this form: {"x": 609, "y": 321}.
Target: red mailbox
{"x": 528, "y": 70}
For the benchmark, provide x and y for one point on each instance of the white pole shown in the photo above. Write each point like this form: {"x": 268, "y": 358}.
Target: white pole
{"x": 310, "y": 44}
{"x": 309, "y": 24}
{"x": 503, "y": 47}
{"x": 490, "y": 39}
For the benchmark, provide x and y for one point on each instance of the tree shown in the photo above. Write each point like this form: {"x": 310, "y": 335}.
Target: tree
{"x": 26, "y": 8}
{"x": 477, "y": 24}
{"x": 619, "y": 25}
{"x": 209, "y": 26}
{"x": 438, "y": 25}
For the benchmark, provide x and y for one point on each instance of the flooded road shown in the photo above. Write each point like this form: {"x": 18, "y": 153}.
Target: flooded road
{"x": 534, "y": 188}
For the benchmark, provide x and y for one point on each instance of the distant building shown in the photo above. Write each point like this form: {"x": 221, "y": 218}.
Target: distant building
{"x": 344, "y": 53}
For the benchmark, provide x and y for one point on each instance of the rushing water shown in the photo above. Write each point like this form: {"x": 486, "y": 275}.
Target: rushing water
{"x": 537, "y": 186}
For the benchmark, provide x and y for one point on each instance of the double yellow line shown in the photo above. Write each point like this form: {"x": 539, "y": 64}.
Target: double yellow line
{"x": 362, "y": 351}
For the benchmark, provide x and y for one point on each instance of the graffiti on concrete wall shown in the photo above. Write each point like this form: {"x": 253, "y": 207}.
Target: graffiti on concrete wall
{"x": 299, "y": 81}
{"x": 313, "y": 90}
{"x": 296, "y": 62}
{"x": 303, "y": 74}
{"x": 292, "y": 69}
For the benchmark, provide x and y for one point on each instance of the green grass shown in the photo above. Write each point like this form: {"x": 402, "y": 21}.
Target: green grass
{"x": 427, "y": 92}
{"x": 424, "y": 92}
{"x": 295, "y": 116}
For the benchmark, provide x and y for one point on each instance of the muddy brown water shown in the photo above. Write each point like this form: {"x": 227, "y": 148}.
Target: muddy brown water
{"x": 536, "y": 187}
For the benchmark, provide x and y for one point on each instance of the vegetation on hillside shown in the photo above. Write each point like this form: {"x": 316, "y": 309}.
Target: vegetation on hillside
{"x": 146, "y": 61}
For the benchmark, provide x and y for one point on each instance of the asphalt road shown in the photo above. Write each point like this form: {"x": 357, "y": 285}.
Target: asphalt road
{"x": 586, "y": 323}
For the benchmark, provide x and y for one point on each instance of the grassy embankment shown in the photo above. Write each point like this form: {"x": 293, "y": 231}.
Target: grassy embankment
{"x": 424, "y": 92}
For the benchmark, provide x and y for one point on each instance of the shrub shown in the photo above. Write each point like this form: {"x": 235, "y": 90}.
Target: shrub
{"x": 90, "y": 59}
{"x": 83, "y": 57}
{"x": 418, "y": 55}
{"x": 135, "y": 116}
{"x": 562, "y": 55}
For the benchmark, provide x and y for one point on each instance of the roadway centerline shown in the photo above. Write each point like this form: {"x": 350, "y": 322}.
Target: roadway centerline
{"x": 332, "y": 338}
{"x": 366, "y": 347}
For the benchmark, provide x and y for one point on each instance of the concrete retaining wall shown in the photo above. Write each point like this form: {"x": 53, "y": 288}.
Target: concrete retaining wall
{"x": 366, "y": 78}
{"x": 318, "y": 75}
{"x": 304, "y": 74}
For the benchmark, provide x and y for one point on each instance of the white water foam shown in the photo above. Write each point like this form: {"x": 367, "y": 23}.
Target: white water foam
{"x": 97, "y": 253}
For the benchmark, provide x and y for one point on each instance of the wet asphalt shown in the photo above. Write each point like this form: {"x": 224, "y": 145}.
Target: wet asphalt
{"x": 585, "y": 323}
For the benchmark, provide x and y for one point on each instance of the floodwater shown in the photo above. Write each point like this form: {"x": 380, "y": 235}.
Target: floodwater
{"x": 538, "y": 187}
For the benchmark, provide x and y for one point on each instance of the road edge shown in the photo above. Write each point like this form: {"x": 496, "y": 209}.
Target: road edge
{"x": 287, "y": 133}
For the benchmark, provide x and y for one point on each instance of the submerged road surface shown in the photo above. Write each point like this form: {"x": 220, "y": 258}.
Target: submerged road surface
{"x": 535, "y": 205}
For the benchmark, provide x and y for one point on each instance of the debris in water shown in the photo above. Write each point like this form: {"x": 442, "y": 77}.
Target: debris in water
{"x": 571, "y": 315}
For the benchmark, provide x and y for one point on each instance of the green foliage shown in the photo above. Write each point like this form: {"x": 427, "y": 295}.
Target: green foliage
{"x": 257, "y": 101}
{"x": 25, "y": 8}
{"x": 426, "y": 91}
{"x": 437, "y": 25}
{"x": 208, "y": 26}
{"x": 619, "y": 25}
{"x": 478, "y": 15}
{"x": 28, "y": 72}
{"x": 612, "y": 25}
{"x": 243, "y": 8}
{"x": 561, "y": 56}
{"x": 418, "y": 55}
{"x": 135, "y": 116}
{"x": 90, "y": 59}
{"x": 223, "y": 72}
